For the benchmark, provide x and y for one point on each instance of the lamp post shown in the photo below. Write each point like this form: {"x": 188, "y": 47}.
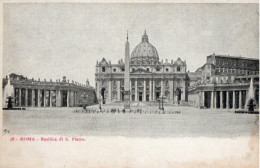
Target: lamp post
{"x": 85, "y": 102}
{"x": 100, "y": 104}
{"x": 162, "y": 103}
{"x": 159, "y": 104}
{"x": 99, "y": 92}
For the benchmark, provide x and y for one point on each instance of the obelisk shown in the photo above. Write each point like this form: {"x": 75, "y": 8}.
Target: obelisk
{"x": 127, "y": 77}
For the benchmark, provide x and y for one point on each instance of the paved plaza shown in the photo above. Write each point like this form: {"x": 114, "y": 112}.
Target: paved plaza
{"x": 190, "y": 122}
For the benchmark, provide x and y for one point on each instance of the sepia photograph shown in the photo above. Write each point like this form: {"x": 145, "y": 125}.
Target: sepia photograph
{"x": 158, "y": 84}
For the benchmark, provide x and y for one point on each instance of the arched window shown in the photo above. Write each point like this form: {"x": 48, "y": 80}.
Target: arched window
{"x": 178, "y": 69}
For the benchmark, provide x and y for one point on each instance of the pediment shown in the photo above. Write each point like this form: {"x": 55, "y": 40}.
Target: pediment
{"x": 103, "y": 62}
{"x": 179, "y": 62}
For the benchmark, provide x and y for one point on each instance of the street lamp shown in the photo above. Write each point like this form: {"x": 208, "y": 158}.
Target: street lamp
{"x": 99, "y": 104}
{"x": 85, "y": 102}
{"x": 161, "y": 106}
{"x": 159, "y": 103}
{"x": 162, "y": 103}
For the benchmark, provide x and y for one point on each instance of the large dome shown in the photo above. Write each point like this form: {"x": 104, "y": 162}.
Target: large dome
{"x": 145, "y": 50}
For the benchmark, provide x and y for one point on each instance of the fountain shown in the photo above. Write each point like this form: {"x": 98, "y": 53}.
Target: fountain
{"x": 251, "y": 101}
{"x": 8, "y": 95}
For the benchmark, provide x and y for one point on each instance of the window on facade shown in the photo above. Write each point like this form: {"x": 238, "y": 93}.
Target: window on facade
{"x": 167, "y": 83}
{"x": 178, "y": 69}
{"x": 123, "y": 69}
{"x": 103, "y": 69}
{"x": 167, "y": 69}
{"x": 158, "y": 69}
{"x": 114, "y": 70}
{"x": 229, "y": 70}
{"x": 148, "y": 69}
{"x": 133, "y": 69}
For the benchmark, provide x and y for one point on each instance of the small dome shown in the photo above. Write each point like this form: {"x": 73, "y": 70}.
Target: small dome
{"x": 145, "y": 49}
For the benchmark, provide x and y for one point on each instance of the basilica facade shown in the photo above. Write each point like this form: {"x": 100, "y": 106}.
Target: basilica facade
{"x": 150, "y": 78}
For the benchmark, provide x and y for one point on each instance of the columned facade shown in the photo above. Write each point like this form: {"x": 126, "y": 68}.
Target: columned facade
{"x": 223, "y": 98}
{"x": 36, "y": 93}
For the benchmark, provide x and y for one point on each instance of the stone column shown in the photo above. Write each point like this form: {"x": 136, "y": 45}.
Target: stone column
{"x": 39, "y": 100}
{"x": 162, "y": 88}
{"x": 144, "y": 94}
{"x": 150, "y": 90}
{"x": 171, "y": 90}
{"x": 136, "y": 99}
{"x": 26, "y": 97}
{"x": 212, "y": 100}
{"x": 154, "y": 97}
{"x": 50, "y": 98}
{"x": 98, "y": 91}
{"x": 44, "y": 98}
{"x": 33, "y": 98}
{"x": 130, "y": 91}
{"x": 240, "y": 99}
{"x": 215, "y": 99}
{"x": 198, "y": 99}
{"x": 74, "y": 99}
{"x": 203, "y": 98}
{"x": 68, "y": 98}
{"x": 20, "y": 97}
{"x": 234, "y": 99}
{"x": 59, "y": 98}
{"x": 56, "y": 92}
{"x": 118, "y": 90}
{"x": 227, "y": 100}
{"x": 221, "y": 99}
{"x": 183, "y": 91}
{"x": 109, "y": 90}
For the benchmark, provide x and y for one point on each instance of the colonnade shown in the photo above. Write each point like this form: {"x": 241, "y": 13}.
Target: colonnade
{"x": 230, "y": 99}
{"x": 27, "y": 97}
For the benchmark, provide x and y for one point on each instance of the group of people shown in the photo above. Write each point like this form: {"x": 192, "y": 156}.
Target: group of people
{"x": 140, "y": 111}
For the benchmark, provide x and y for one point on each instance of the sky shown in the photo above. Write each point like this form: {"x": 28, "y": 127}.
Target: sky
{"x": 49, "y": 41}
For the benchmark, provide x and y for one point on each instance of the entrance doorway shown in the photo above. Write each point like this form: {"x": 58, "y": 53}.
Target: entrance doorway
{"x": 122, "y": 95}
{"x": 140, "y": 96}
{"x": 103, "y": 95}
{"x": 178, "y": 94}
{"x": 147, "y": 97}
{"x": 133, "y": 97}
{"x": 157, "y": 95}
